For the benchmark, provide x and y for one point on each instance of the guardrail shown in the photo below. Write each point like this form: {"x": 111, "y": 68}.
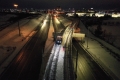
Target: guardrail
{"x": 69, "y": 73}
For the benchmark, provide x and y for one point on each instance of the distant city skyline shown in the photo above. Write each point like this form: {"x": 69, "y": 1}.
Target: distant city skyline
{"x": 65, "y": 4}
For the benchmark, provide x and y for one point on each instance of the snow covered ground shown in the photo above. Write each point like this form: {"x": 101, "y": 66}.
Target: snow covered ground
{"x": 11, "y": 42}
{"x": 103, "y": 53}
{"x": 100, "y": 50}
{"x": 111, "y": 30}
{"x": 4, "y": 19}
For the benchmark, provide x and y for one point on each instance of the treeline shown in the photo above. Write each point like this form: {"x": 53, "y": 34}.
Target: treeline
{"x": 99, "y": 32}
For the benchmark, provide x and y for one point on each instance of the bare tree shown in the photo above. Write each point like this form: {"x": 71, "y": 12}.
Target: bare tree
{"x": 98, "y": 31}
{"x": 113, "y": 39}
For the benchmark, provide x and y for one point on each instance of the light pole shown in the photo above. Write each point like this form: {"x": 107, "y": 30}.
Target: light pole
{"x": 76, "y": 60}
{"x": 19, "y": 28}
{"x": 87, "y": 36}
{"x": 16, "y": 6}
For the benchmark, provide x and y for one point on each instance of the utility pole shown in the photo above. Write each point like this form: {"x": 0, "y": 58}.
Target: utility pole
{"x": 19, "y": 28}
{"x": 87, "y": 36}
{"x": 76, "y": 60}
{"x": 16, "y": 6}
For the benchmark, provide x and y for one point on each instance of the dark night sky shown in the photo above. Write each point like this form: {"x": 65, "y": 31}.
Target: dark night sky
{"x": 65, "y": 4}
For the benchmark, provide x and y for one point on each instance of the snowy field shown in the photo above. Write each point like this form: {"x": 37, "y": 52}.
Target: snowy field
{"x": 112, "y": 31}
{"x": 10, "y": 41}
{"x": 4, "y": 18}
{"x": 5, "y": 51}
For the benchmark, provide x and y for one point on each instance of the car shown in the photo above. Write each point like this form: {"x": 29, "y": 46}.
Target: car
{"x": 58, "y": 40}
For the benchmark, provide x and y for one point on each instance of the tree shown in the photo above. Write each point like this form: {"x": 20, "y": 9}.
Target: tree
{"x": 98, "y": 31}
{"x": 108, "y": 36}
{"x": 113, "y": 39}
{"x": 104, "y": 33}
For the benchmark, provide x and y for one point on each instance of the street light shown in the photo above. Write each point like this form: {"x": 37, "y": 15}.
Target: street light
{"x": 87, "y": 36}
{"x": 16, "y": 6}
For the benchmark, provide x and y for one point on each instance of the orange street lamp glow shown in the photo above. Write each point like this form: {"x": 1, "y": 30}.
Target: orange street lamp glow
{"x": 16, "y": 5}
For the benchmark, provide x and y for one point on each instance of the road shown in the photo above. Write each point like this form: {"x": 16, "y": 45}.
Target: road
{"x": 26, "y": 65}
{"x": 57, "y": 25}
{"x": 87, "y": 68}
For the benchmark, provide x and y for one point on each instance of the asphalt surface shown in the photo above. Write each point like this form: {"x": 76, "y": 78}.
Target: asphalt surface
{"x": 26, "y": 65}
{"x": 57, "y": 25}
{"x": 87, "y": 68}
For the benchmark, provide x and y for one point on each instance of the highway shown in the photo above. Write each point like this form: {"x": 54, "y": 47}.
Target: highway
{"x": 87, "y": 68}
{"x": 26, "y": 65}
{"x": 57, "y": 25}
{"x": 68, "y": 65}
{"x": 57, "y": 53}
{"x": 84, "y": 66}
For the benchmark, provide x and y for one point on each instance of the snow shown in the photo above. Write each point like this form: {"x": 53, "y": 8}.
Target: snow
{"x": 4, "y": 19}
{"x": 101, "y": 51}
{"x": 60, "y": 65}
{"x": 9, "y": 39}
{"x": 11, "y": 42}
{"x": 112, "y": 30}
{"x": 5, "y": 51}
